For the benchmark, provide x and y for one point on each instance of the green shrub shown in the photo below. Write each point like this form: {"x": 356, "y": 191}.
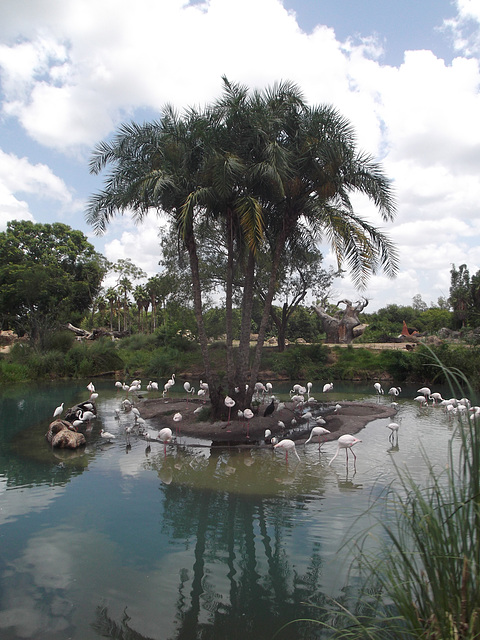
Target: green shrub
{"x": 11, "y": 372}
{"x": 92, "y": 358}
{"x": 59, "y": 341}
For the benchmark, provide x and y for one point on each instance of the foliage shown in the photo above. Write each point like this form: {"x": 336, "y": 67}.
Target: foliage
{"x": 93, "y": 358}
{"x": 387, "y": 323}
{"x": 12, "y": 372}
{"x": 298, "y": 362}
{"x": 49, "y": 275}
{"x": 356, "y": 364}
{"x": 460, "y": 294}
{"x": 59, "y": 341}
{"x": 257, "y": 170}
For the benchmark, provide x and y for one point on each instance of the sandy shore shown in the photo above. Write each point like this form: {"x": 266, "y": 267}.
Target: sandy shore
{"x": 350, "y": 418}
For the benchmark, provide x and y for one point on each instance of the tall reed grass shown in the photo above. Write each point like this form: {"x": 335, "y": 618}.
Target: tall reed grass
{"x": 423, "y": 579}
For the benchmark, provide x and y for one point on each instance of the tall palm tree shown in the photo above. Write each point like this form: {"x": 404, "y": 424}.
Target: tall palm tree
{"x": 260, "y": 166}
{"x": 157, "y": 166}
{"x": 324, "y": 168}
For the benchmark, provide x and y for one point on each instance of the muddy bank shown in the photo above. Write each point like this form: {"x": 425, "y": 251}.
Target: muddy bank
{"x": 350, "y": 417}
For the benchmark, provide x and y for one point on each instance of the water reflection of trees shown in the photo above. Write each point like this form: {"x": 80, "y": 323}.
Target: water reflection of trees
{"x": 243, "y": 583}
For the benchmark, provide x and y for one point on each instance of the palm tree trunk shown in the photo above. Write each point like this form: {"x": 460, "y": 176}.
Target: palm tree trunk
{"x": 280, "y": 246}
{"x": 229, "y": 305}
{"x": 243, "y": 357}
{"x": 214, "y": 390}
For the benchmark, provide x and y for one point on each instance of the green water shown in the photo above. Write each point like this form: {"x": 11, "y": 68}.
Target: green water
{"x": 197, "y": 543}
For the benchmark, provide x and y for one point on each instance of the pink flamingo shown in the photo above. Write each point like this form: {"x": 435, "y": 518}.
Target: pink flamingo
{"x": 346, "y": 442}
{"x": 165, "y": 435}
{"x": 288, "y": 445}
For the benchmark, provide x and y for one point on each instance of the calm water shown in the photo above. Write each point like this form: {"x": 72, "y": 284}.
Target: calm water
{"x": 199, "y": 543}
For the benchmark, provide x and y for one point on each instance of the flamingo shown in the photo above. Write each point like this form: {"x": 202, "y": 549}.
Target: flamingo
{"x": 229, "y": 402}
{"x": 346, "y": 442}
{"x": 165, "y": 435}
{"x": 422, "y": 400}
{"x": 393, "y": 426}
{"x": 317, "y": 432}
{"x": 288, "y": 445}
{"x": 248, "y": 415}
{"x": 328, "y": 387}
{"x": 91, "y": 387}
{"x": 58, "y": 410}
{"x": 188, "y": 388}
{"x": 177, "y": 418}
{"x": 378, "y": 389}
{"x": 436, "y": 397}
{"x": 425, "y": 391}
{"x": 394, "y": 391}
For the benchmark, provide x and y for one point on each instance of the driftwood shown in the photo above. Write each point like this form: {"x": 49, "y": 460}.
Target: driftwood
{"x": 96, "y": 333}
{"x": 344, "y": 326}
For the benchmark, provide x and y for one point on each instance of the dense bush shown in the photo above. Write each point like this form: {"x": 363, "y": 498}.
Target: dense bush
{"x": 298, "y": 362}
{"x": 93, "y": 358}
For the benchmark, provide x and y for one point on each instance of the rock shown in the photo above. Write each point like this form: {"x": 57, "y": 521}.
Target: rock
{"x": 63, "y": 435}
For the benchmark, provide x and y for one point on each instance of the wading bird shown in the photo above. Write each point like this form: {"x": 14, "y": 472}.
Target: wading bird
{"x": 287, "y": 445}
{"x": 270, "y": 409}
{"x": 248, "y": 415}
{"x": 393, "y": 426}
{"x": 58, "y": 411}
{"x": 165, "y": 436}
{"x": 346, "y": 442}
{"x": 317, "y": 432}
{"x": 107, "y": 436}
{"x": 177, "y": 418}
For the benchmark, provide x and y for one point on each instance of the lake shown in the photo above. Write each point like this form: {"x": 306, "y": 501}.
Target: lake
{"x": 118, "y": 538}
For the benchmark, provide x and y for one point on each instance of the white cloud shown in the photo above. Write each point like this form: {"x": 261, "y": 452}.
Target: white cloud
{"x": 72, "y": 71}
{"x": 19, "y": 176}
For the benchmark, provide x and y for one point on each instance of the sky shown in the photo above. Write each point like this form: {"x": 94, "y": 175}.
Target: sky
{"x": 406, "y": 74}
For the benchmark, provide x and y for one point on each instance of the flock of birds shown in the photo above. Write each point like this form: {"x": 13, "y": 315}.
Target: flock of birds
{"x": 300, "y": 397}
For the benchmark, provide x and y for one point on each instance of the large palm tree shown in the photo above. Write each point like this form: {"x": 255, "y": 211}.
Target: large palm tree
{"x": 260, "y": 166}
{"x": 324, "y": 168}
{"x": 156, "y": 166}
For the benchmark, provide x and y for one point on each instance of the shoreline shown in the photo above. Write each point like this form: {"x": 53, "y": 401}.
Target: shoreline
{"x": 351, "y": 418}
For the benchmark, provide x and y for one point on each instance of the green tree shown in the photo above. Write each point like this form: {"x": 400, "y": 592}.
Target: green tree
{"x": 299, "y": 274}
{"x": 259, "y": 168}
{"x": 111, "y": 295}
{"x": 418, "y": 304}
{"x": 127, "y": 272}
{"x": 460, "y": 294}
{"x": 49, "y": 275}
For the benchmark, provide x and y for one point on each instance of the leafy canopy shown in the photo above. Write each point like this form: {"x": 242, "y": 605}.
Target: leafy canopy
{"x": 49, "y": 274}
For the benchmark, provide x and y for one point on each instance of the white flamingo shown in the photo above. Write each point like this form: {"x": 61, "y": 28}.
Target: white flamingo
{"x": 345, "y": 442}
{"x": 317, "y": 432}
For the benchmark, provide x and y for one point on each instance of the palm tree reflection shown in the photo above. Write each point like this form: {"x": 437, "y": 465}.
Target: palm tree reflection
{"x": 241, "y": 518}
